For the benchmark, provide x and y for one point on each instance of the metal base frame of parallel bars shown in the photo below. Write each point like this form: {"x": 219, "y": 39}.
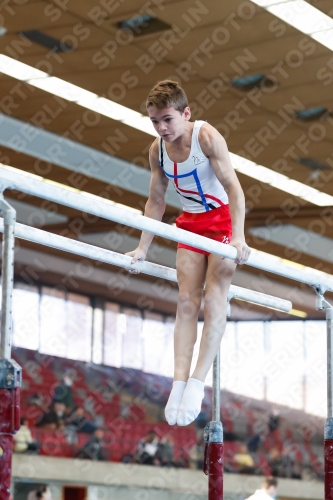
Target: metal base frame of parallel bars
{"x": 214, "y": 445}
{"x": 11, "y": 374}
{"x": 215, "y": 435}
{"x": 213, "y": 439}
{"x": 322, "y": 304}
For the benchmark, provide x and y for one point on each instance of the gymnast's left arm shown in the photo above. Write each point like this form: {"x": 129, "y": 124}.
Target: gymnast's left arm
{"x": 215, "y": 148}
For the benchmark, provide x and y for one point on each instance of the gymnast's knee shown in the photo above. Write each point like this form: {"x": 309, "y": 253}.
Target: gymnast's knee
{"x": 189, "y": 303}
{"x": 215, "y": 309}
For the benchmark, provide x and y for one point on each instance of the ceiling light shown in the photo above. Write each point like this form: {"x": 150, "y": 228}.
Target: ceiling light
{"x": 142, "y": 123}
{"x": 311, "y": 113}
{"x": 19, "y": 70}
{"x": 92, "y": 101}
{"x": 251, "y": 81}
{"x": 266, "y": 3}
{"x": 47, "y": 41}
{"x": 63, "y": 89}
{"x": 303, "y": 16}
{"x": 279, "y": 181}
{"x": 312, "y": 164}
{"x": 324, "y": 37}
{"x": 109, "y": 108}
{"x": 143, "y": 25}
{"x": 135, "y": 22}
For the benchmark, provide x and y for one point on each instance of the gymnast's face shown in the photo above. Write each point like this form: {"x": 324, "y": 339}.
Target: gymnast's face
{"x": 168, "y": 122}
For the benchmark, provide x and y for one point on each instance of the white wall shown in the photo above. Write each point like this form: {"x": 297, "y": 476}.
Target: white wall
{"x": 114, "y": 481}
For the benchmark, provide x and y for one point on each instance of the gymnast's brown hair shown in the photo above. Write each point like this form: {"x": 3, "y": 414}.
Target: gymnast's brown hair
{"x": 167, "y": 93}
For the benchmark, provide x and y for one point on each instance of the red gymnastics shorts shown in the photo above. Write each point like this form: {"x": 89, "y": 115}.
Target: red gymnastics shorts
{"x": 215, "y": 224}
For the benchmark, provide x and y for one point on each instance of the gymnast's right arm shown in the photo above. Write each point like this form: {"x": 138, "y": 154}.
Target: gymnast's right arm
{"x": 155, "y": 205}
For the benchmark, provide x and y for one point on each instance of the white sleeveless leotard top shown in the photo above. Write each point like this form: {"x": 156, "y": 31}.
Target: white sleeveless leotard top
{"x": 198, "y": 188}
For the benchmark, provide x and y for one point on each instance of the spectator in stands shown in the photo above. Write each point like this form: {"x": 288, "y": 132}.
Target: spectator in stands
{"x": 268, "y": 490}
{"x": 129, "y": 458}
{"x": 255, "y": 442}
{"x": 277, "y": 463}
{"x": 93, "y": 448}
{"x": 147, "y": 448}
{"x": 182, "y": 459}
{"x": 307, "y": 474}
{"x": 42, "y": 492}
{"x": 63, "y": 393}
{"x": 164, "y": 453}
{"x": 36, "y": 399}
{"x": 23, "y": 441}
{"x": 293, "y": 467}
{"x": 78, "y": 422}
{"x": 53, "y": 419}
{"x": 288, "y": 459}
{"x": 273, "y": 421}
{"x": 244, "y": 461}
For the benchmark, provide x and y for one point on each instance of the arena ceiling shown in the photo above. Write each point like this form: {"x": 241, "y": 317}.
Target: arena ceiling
{"x": 206, "y": 46}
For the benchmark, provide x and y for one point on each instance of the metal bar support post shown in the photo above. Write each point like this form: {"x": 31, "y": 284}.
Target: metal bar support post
{"x": 328, "y": 434}
{"x": 321, "y": 304}
{"x": 216, "y": 388}
{"x": 10, "y": 372}
{"x": 213, "y": 435}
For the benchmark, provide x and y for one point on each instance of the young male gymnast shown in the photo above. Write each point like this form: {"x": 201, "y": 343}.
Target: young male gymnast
{"x": 194, "y": 156}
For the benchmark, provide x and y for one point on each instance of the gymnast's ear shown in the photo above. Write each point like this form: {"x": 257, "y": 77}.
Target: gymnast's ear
{"x": 187, "y": 113}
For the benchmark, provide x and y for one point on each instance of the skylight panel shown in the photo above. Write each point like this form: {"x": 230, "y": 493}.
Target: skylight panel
{"x": 18, "y": 70}
{"x": 142, "y": 123}
{"x": 267, "y": 3}
{"x": 110, "y": 109}
{"x": 325, "y": 38}
{"x": 280, "y": 181}
{"x": 302, "y": 16}
{"x": 61, "y": 88}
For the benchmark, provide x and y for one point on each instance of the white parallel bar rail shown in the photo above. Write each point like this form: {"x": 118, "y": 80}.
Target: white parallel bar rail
{"x": 103, "y": 255}
{"x": 101, "y": 208}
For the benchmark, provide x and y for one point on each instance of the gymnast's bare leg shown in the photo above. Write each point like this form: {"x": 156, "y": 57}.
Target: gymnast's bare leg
{"x": 193, "y": 269}
{"x": 191, "y": 275}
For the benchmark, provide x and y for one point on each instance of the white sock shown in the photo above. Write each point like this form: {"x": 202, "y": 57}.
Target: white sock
{"x": 190, "y": 406}
{"x": 174, "y": 401}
